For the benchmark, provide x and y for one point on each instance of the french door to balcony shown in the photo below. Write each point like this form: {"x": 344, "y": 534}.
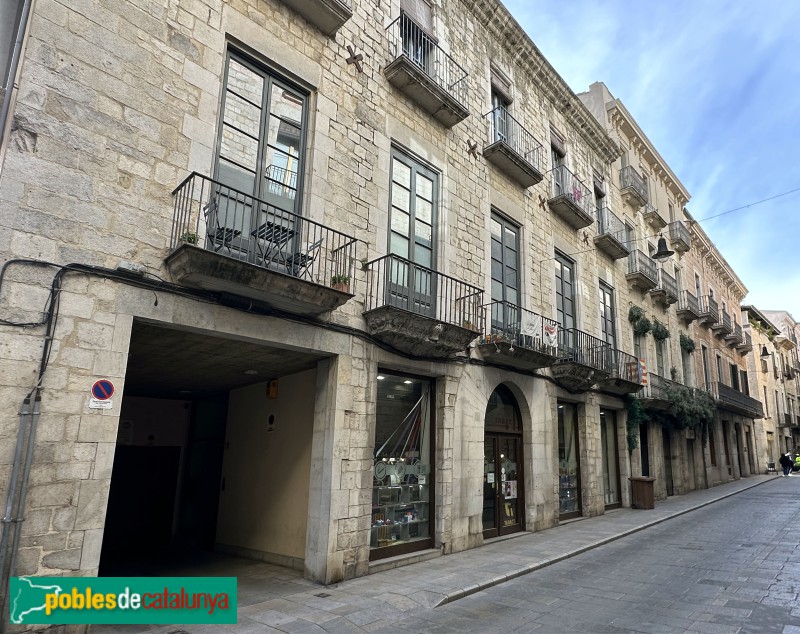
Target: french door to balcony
{"x": 412, "y": 283}
{"x": 505, "y": 275}
{"x": 259, "y": 158}
{"x": 607, "y": 327}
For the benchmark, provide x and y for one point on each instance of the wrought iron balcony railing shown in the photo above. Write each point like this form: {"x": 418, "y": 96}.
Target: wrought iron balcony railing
{"x": 609, "y": 223}
{"x": 565, "y": 183}
{"x": 679, "y": 236}
{"x": 576, "y": 346}
{"x": 709, "y": 309}
{"x": 629, "y": 178}
{"x": 726, "y": 321}
{"x": 747, "y": 343}
{"x": 523, "y": 328}
{"x": 688, "y": 302}
{"x": 624, "y": 366}
{"x": 504, "y": 128}
{"x": 398, "y": 282}
{"x": 228, "y": 221}
{"x": 641, "y": 263}
{"x": 735, "y": 400}
{"x": 669, "y": 285}
{"x": 408, "y": 39}
{"x": 657, "y": 387}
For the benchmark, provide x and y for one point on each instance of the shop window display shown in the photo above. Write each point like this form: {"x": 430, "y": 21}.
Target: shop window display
{"x": 401, "y": 499}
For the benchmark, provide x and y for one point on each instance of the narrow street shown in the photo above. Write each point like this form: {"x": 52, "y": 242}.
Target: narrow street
{"x": 733, "y": 566}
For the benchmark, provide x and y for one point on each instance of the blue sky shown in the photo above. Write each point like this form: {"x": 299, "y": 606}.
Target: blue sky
{"x": 715, "y": 85}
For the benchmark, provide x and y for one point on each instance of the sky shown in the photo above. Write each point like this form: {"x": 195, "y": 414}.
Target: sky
{"x": 715, "y": 85}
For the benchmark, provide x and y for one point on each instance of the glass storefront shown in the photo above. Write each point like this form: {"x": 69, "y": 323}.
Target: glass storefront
{"x": 608, "y": 438}
{"x": 569, "y": 476}
{"x": 401, "y": 486}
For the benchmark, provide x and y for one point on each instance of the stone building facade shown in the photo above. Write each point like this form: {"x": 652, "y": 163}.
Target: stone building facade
{"x": 359, "y": 275}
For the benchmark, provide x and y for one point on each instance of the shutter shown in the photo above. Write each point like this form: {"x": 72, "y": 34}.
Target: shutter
{"x": 420, "y": 12}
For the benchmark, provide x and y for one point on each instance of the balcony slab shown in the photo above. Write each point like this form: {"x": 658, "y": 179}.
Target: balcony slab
{"x": 416, "y": 334}
{"x": 500, "y": 351}
{"x": 510, "y": 162}
{"x": 412, "y": 80}
{"x": 200, "y": 268}
{"x": 612, "y": 247}
{"x": 327, "y": 15}
{"x": 563, "y": 207}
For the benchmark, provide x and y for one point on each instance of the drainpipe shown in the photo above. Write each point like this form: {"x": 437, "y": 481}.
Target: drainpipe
{"x": 11, "y": 78}
{"x": 21, "y": 468}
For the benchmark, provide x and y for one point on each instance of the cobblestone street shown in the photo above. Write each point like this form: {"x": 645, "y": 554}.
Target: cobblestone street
{"x": 733, "y": 566}
{"x": 718, "y": 560}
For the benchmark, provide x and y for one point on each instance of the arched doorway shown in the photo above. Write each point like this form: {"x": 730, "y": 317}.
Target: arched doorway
{"x": 503, "y": 492}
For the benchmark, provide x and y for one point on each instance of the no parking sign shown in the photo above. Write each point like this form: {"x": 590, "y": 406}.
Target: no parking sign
{"x": 102, "y": 391}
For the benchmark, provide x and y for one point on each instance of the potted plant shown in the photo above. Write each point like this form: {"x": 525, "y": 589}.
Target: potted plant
{"x": 687, "y": 343}
{"x": 189, "y": 236}
{"x": 341, "y": 283}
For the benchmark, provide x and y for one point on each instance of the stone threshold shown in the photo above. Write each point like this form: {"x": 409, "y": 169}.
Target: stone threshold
{"x": 404, "y": 560}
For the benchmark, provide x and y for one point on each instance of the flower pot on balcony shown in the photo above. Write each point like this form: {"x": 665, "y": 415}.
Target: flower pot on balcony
{"x": 341, "y": 283}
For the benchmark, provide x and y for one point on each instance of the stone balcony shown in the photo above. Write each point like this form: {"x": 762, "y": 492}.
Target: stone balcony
{"x": 583, "y": 360}
{"x": 512, "y": 149}
{"x": 736, "y": 402}
{"x": 642, "y": 272}
{"x": 746, "y": 345}
{"x": 611, "y": 238}
{"x": 679, "y": 236}
{"x": 633, "y": 188}
{"x": 419, "y": 311}
{"x": 519, "y": 338}
{"x": 666, "y": 292}
{"x": 420, "y": 69}
{"x": 688, "y": 307}
{"x": 570, "y": 199}
{"x": 736, "y": 337}
{"x": 327, "y": 15}
{"x": 656, "y": 394}
{"x": 723, "y": 327}
{"x": 653, "y": 218}
{"x": 709, "y": 311}
{"x": 627, "y": 375}
{"x": 228, "y": 242}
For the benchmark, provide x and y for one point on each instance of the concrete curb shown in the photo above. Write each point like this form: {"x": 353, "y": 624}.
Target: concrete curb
{"x": 464, "y": 592}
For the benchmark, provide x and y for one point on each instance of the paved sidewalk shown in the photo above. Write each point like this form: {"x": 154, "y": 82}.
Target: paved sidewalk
{"x": 273, "y": 599}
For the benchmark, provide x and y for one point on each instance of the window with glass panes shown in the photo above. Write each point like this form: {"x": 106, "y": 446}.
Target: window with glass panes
{"x": 565, "y": 295}
{"x": 261, "y": 138}
{"x": 505, "y": 271}
{"x": 412, "y": 227}
{"x": 607, "y": 315}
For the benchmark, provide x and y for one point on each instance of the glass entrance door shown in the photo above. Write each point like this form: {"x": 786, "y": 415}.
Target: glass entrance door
{"x": 503, "y": 494}
{"x": 608, "y": 433}
{"x": 569, "y": 474}
{"x": 502, "y": 484}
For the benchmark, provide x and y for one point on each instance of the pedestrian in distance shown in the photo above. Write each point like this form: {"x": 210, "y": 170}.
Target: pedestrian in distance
{"x": 786, "y": 462}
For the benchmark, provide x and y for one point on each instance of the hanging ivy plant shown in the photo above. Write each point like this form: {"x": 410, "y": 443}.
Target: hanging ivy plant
{"x": 689, "y": 409}
{"x": 636, "y": 416}
{"x": 687, "y": 343}
{"x": 641, "y": 324}
{"x": 642, "y": 327}
{"x": 635, "y": 314}
{"x": 660, "y": 332}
